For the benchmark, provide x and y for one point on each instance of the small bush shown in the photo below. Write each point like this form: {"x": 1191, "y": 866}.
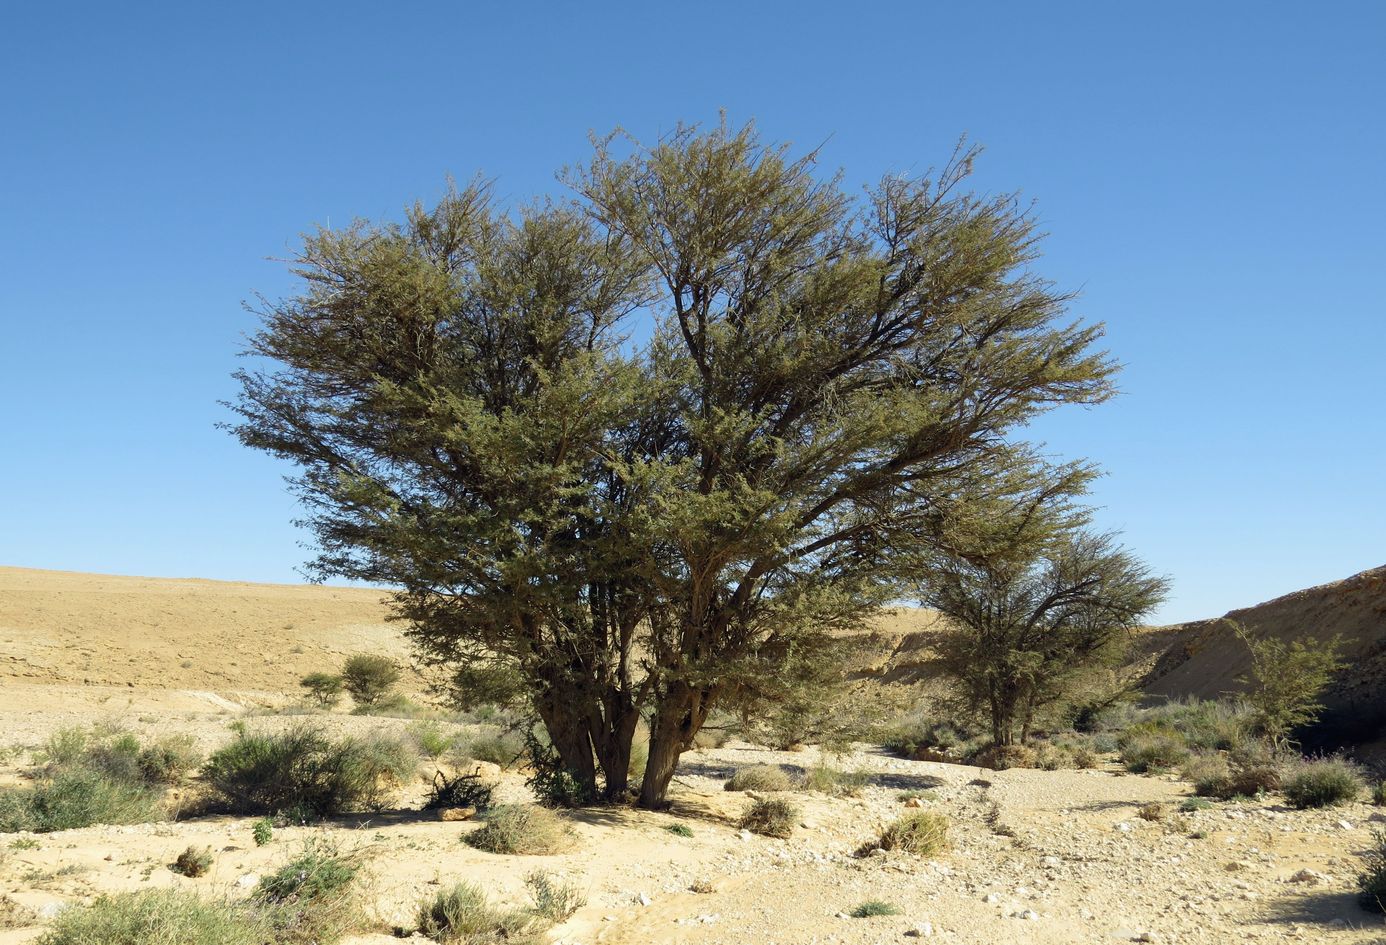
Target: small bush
{"x": 155, "y": 916}
{"x": 1004, "y": 757}
{"x": 303, "y": 769}
{"x": 431, "y": 739}
{"x": 170, "y": 760}
{"x": 1148, "y": 749}
{"x": 554, "y": 899}
{"x": 1192, "y": 804}
{"x": 770, "y": 817}
{"x": 464, "y": 790}
{"x": 76, "y": 798}
{"x": 370, "y": 678}
{"x": 1085, "y": 757}
{"x": 922, "y": 834}
{"x": 835, "y": 782}
{"x": 1371, "y": 882}
{"x": 521, "y": 829}
{"x": 497, "y": 747}
{"x": 874, "y": 907}
{"x": 462, "y": 915}
{"x": 193, "y": 862}
{"x": 679, "y": 830}
{"x": 1153, "y": 811}
{"x": 1323, "y": 782}
{"x": 323, "y": 688}
{"x": 759, "y": 778}
{"x": 262, "y": 831}
{"x": 1379, "y": 794}
{"x": 318, "y": 872}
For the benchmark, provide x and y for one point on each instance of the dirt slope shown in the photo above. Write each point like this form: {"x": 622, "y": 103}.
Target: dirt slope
{"x": 1205, "y": 658}
{"x": 68, "y": 628}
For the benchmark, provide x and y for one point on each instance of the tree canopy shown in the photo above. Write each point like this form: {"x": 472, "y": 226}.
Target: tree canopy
{"x": 637, "y": 449}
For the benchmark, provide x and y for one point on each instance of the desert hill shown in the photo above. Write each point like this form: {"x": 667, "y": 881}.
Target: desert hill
{"x": 68, "y": 628}
{"x": 1205, "y": 659}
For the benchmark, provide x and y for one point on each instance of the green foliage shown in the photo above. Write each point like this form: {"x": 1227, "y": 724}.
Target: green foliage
{"x": 680, "y": 830}
{"x": 432, "y": 740}
{"x": 1286, "y": 681}
{"x": 1379, "y": 794}
{"x": 770, "y": 817}
{"x": 155, "y": 915}
{"x": 262, "y": 831}
{"x": 1151, "y": 748}
{"x": 304, "y": 769}
{"x": 825, "y": 779}
{"x": 169, "y": 760}
{"x": 370, "y": 678}
{"x": 874, "y": 907}
{"x": 759, "y": 778}
{"x": 825, "y": 373}
{"x": 1322, "y": 782}
{"x": 1371, "y": 882}
{"x": 1252, "y": 768}
{"x": 521, "y": 829}
{"x": 324, "y": 688}
{"x": 554, "y": 899}
{"x": 922, "y": 833}
{"x": 463, "y": 915}
{"x": 76, "y": 797}
{"x": 310, "y": 899}
{"x": 319, "y": 871}
{"x": 1192, "y": 804}
{"x": 193, "y": 861}
{"x": 502, "y": 747}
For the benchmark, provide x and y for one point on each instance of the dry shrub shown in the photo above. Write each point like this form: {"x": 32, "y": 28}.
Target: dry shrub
{"x": 463, "y": 915}
{"x": 1003, "y": 757}
{"x": 770, "y": 817}
{"x": 759, "y": 778}
{"x": 1154, "y": 811}
{"x": 193, "y": 862}
{"x": 1322, "y": 782}
{"x": 922, "y": 834}
{"x": 525, "y": 829}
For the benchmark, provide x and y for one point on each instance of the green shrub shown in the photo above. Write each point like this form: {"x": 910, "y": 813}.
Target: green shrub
{"x": 1151, "y": 749}
{"x": 1322, "y": 782}
{"x": 432, "y": 740}
{"x": 874, "y": 907}
{"x": 679, "y": 830}
{"x": 309, "y": 900}
{"x": 170, "y": 760}
{"x": 369, "y": 677}
{"x": 496, "y": 746}
{"x": 76, "y": 798}
{"x": 759, "y": 778}
{"x": 1371, "y": 882}
{"x": 1192, "y": 804}
{"x": 521, "y": 829}
{"x": 155, "y": 916}
{"x": 923, "y": 834}
{"x": 66, "y": 746}
{"x": 834, "y": 781}
{"x": 554, "y": 899}
{"x": 262, "y": 831}
{"x": 303, "y": 769}
{"x": 1379, "y": 794}
{"x": 193, "y": 862}
{"x": 770, "y": 817}
{"x": 323, "y": 688}
{"x": 462, "y": 915}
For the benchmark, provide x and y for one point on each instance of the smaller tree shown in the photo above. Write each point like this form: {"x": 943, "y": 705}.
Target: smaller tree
{"x": 1286, "y": 681}
{"x": 324, "y": 688}
{"x": 1037, "y": 603}
{"x": 369, "y": 678}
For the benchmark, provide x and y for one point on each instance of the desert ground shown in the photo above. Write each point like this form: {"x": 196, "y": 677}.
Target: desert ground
{"x": 1035, "y": 856}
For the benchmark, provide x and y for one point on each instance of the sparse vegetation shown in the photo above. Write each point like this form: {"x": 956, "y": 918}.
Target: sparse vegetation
{"x": 309, "y": 900}
{"x": 825, "y": 779}
{"x": 370, "y": 678}
{"x": 554, "y": 899}
{"x": 1148, "y": 748}
{"x": 521, "y": 829}
{"x": 432, "y": 740}
{"x": 463, "y": 790}
{"x": 1322, "y": 782}
{"x": 872, "y": 908}
{"x": 193, "y": 862}
{"x": 1371, "y": 882}
{"x": 1286, "y": 680}
{"x": 759, "y": 778}
{"x": 463, "y": 915}
{"x": 157, "y": 915}
{"x": 1379, "y": 794}
{"x": 304, "y": 769}
{"x": 1153, "y": 811}
{"x": 923, "y": 834}
{"x": 770, "y": 817}
{"x": 679, "y": 830}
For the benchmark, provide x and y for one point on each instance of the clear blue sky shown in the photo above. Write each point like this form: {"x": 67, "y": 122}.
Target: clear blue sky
{"x": 1212, "y": 175}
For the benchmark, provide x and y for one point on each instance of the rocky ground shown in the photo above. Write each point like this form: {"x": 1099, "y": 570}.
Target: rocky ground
{"x": 1036, "y": 856}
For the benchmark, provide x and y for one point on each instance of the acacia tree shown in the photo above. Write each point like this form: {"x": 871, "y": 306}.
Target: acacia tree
{"x": 664, "y": 524}
{"x": 1036, "y": 601}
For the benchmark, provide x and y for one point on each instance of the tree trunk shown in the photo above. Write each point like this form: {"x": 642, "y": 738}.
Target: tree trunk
{"x": 678, "y": 717}
{"x": 613, "y": 754}
{"x": 571, "y": 737}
